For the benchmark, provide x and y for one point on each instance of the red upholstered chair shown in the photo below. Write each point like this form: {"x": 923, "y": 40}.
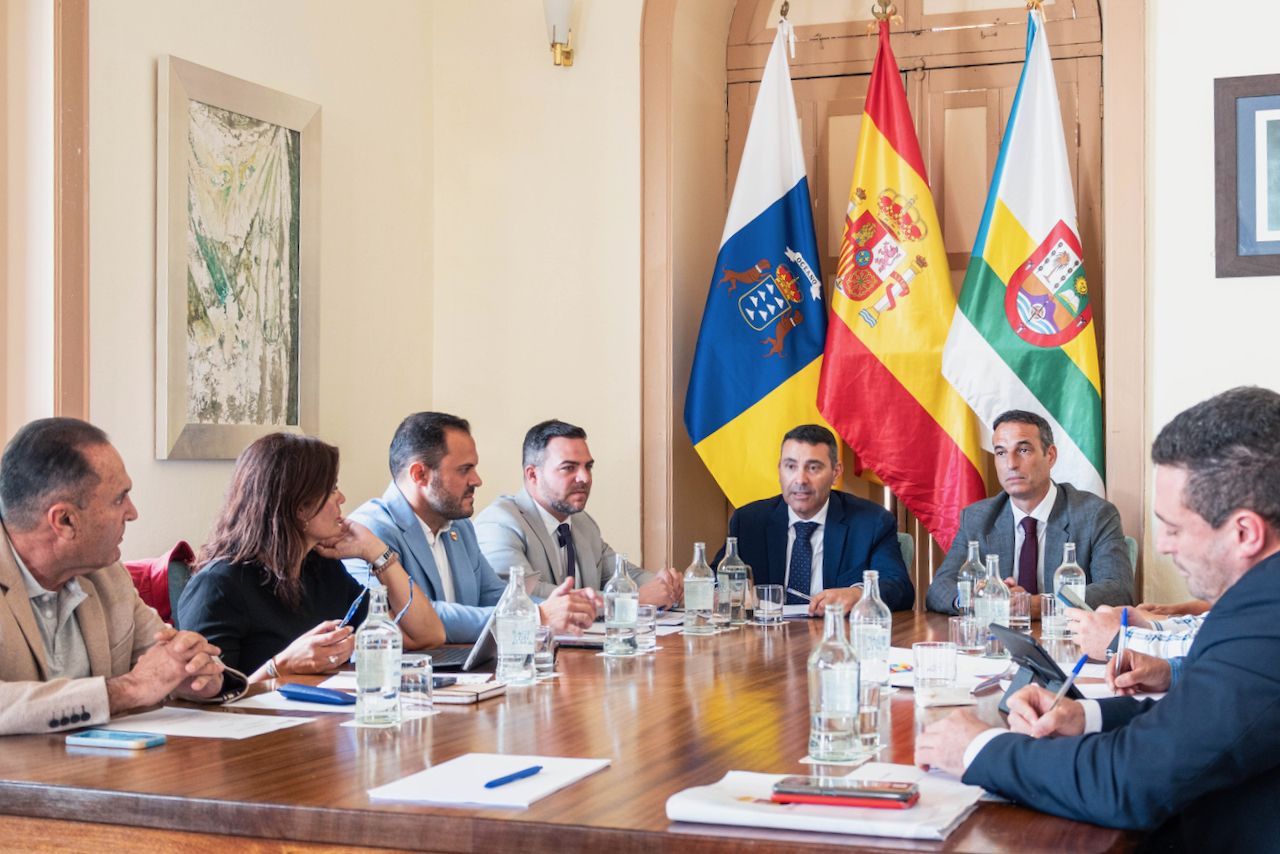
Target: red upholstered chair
{"x": 160, "y": 580}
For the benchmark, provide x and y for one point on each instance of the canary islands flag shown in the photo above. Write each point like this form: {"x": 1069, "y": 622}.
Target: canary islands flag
{"x": 755, "y": 369}
{"x": 882, "y": 384}
{"x": 1022, "y": 336}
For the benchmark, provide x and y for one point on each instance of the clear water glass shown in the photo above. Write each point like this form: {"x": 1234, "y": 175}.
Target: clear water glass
{"x": 646, "y": 628}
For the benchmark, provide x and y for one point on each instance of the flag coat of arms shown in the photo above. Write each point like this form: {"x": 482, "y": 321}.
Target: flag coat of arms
{"x": 755, "y": 368}
{"x": 1022, "y": 336}
{"x": 881, "y": 383}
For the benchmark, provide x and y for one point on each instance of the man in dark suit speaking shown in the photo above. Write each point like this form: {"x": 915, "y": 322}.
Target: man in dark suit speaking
{"x": 1202, "y": 765}
{"x": 815, "y": 541}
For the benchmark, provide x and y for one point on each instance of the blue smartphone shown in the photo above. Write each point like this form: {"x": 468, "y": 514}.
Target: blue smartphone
{"x": 115, "y": 738}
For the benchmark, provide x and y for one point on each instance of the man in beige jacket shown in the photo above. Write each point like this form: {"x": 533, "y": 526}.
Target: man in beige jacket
{"x": 77, "y": 645}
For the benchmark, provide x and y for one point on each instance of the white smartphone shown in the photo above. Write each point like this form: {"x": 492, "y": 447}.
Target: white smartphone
{"x": 115, "y": 738}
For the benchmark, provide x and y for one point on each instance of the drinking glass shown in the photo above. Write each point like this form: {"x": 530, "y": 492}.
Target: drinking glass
{"x": 1020, "y": 612}
{"x": 935, "y": 664}
{"x": 646, "y": 628}
{"x": 769, "y": 604}
{"x": 544, "y": 652}
{"x": 1053, "y": 620}
{"x": 966, "y": 634}
{"x": 415, "y": 683}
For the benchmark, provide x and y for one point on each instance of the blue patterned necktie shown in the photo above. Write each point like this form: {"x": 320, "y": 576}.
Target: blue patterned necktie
{"x": 801, "y": 575}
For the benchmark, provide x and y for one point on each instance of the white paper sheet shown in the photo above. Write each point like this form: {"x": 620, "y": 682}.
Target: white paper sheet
{"x": 199, "y": 723}
{"x": 1100, "y": 691}
{"x": 742, "y": 798}
{"x": 801, "y": 610}
{"x": 970, "y": 669}
{"x": 461, "y": 781}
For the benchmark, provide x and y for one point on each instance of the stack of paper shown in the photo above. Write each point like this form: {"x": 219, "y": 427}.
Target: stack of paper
{"x": 202, "y": 724}
{"x": 741, "y": 798}
{"x": 461, "y": 781}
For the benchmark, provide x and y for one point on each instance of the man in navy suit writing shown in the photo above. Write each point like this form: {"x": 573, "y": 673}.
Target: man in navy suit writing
{"x": 1201, "y": 767}
{"x": 815, "y": 541}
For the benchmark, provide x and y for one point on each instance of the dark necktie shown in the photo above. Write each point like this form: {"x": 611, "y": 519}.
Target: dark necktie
{"x": 801, "y": 575}
{"x": 1028, "y": 556}
{"x": 565, "y": 538}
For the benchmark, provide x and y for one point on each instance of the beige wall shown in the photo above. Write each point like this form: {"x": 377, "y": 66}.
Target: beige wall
{"x": 536, "y": 248}
{"x": 369, "y": 68}
{"x": 1206, "y": 334}
{"x": 26, "y": 211}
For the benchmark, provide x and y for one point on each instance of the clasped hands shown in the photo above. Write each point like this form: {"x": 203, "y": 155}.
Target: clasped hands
{"x": 178, "y": 662}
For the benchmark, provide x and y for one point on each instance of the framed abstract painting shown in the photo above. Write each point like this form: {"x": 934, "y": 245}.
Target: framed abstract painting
{"x": 237, "y": 262}
{"x": 1247, "y": 175}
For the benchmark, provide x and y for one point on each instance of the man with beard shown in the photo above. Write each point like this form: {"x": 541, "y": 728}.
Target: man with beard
{"x": 424, "y": 516}
{"x": 1202, "y": 765}
{"x": 544, "y": 527}
{"x": 817, "y": 542}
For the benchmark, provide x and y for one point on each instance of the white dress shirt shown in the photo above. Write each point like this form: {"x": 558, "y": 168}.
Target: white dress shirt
{"x": 815, "y": 541}
{"x": 1041, "y": 514}
{"x": 436, "y": 542}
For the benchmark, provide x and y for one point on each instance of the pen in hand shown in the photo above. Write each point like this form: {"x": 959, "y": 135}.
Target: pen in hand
{"x": 1120, "y": 644}
{"x": 1066, "y": 686}
{"x": 805, "y": 596}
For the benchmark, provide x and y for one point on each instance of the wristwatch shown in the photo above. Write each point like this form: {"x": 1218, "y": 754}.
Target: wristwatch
{"x": 383, "y": 561}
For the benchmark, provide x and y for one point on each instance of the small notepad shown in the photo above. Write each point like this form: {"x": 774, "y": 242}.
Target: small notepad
{"x": 461, "y": 781}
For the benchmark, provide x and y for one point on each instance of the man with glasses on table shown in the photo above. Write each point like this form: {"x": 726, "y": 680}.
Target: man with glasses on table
{"x": 1200, "y": 767}
{"x": 77, "y": 644}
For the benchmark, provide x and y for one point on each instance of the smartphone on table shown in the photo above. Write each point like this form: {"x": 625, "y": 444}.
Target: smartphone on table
{"x": 115, "y": 738}
{"x": 845, "y": 791}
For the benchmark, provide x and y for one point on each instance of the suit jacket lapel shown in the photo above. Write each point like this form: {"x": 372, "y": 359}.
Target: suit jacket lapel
{"x": 19, "y": 604}
{"x": 411, "y": 527}
{"x": 93, "y": 627}
{"x": 834, "y": 534}
{"x": 533, "y": 519}
{"x": 465, "y": 591}
{"x": 776, "y": 543}
{"x": 1000, "y": 537}
{"x": 1057, "y": 533}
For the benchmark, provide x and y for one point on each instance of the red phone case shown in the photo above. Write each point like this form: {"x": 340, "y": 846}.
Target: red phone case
{"x": 842, "y": 801}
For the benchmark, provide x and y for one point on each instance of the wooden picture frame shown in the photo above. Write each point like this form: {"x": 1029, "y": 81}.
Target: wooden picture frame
{"x": 237, "y": 262}
{"x": 1247, "y": 175}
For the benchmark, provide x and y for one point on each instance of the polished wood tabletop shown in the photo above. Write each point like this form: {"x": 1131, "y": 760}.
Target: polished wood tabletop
{"x": 683, "y": 716}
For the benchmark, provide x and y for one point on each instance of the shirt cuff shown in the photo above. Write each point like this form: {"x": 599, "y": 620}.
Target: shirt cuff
{"x": 1092, "y": 715}
{"x": 975, "y": 747}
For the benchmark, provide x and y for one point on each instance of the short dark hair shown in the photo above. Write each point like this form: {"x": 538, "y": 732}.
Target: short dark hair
{"x": 814, "y": 434}
{"x": 44, "y": 463}
{"x": 540, "y": 435}
{"x": 422, "y": 438}
{"x": 1230, "y": 448}
{"x": 1022, "y": 416}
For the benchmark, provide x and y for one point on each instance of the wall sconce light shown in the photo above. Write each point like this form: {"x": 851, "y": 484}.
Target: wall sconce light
{"x": 559, "y": 30}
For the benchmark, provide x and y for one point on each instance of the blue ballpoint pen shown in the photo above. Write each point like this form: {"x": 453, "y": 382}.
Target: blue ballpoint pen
{"x": 1066, "y": 686}
{"x": 511, "y": 778}
{"x": 1120, "y": 644}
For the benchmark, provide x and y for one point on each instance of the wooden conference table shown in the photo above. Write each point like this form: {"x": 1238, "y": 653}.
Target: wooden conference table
{"x": 681, "y": 717}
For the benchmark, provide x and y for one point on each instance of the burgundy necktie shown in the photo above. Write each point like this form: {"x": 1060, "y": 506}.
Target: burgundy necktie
{"x": 1027, "y": 557}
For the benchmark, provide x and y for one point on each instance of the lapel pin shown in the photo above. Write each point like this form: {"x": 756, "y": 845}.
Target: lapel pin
{"x": 453, "y": 535}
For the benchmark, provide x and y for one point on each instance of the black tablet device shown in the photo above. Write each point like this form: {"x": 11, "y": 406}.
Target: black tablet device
{"x": 1034, "y": 665}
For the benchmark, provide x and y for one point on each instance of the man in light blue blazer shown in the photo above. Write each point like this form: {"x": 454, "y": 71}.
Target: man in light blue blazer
{"x": 424, "y": 515}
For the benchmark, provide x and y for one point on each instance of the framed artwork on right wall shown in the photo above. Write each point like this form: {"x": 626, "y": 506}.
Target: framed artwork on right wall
{"x": 1247, "y": 175}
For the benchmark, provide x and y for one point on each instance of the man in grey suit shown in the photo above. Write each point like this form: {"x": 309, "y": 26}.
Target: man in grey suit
{"x": 424, "y": 516}
{"x": 544, "y": 528}
{"x": 1032, "y": 519}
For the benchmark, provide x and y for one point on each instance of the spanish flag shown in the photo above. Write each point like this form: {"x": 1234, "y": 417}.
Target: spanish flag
{"x": 755, "y": 368}
{"x": 881, "y": 384}
{"x": 1022, "y": 336}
